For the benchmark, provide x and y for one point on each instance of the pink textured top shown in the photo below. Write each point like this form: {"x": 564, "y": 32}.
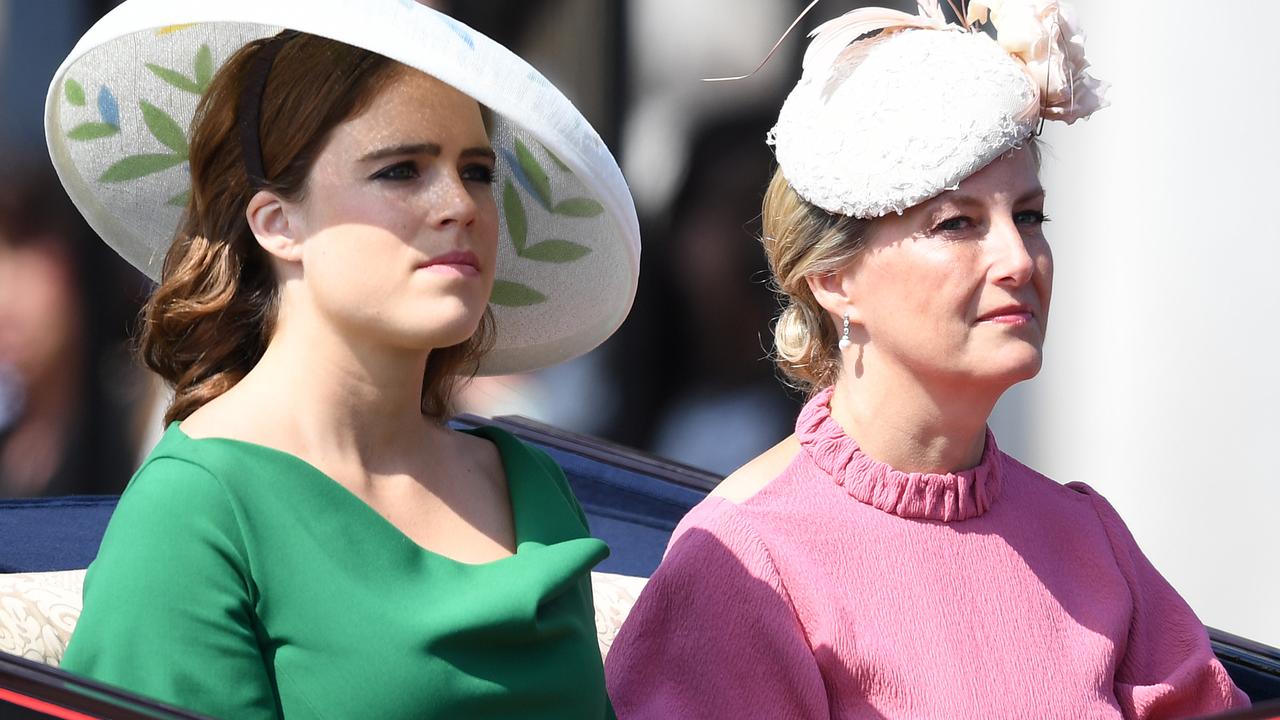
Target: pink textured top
{"x": 847, "y": 589}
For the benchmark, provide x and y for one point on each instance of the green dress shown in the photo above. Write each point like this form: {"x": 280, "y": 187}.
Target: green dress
{"x": 241, "y": 582}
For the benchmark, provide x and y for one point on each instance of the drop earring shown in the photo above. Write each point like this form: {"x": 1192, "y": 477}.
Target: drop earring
{"x": 845, "y": 342}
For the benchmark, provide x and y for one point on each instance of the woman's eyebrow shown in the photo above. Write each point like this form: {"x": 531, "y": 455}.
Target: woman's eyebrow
{"x": 432, "y": 149}
{"x": 958, "y": 198}
{"x": 1035, "y": 193}
{"x": 480, "y": 151}
{"x": 955, "y": 197}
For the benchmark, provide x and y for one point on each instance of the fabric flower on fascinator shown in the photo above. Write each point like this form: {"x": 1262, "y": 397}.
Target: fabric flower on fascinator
{"x": 1045, "y": 36}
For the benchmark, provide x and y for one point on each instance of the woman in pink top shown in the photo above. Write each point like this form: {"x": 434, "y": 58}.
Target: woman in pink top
{"x": 888, "y": 560}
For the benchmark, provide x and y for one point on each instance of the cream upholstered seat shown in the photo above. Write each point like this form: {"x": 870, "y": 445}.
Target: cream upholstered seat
{"x": 38, "y": 611}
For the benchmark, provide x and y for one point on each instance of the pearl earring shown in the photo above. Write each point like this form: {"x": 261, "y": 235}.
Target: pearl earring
{"x": 845, "y": 342}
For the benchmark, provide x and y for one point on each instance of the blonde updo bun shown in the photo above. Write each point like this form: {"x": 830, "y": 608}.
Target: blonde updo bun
{"x": 802, "y": 240}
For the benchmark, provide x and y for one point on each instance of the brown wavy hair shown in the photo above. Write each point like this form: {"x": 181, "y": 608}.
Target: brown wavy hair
{"x": 213, "y": 314}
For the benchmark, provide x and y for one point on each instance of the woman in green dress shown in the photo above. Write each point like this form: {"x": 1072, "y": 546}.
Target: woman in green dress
{"x": 309, "y": 538}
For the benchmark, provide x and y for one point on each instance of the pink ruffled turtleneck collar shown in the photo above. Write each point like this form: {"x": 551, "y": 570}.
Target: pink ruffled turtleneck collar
{"x": 948, "y": 497}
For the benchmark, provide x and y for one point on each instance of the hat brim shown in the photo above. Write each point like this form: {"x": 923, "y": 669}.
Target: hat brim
{"x": 119, "y": 108}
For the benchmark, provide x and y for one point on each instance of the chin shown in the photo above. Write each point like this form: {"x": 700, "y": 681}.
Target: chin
{"x": 1005, "y": 364}
{"x": 446, "y": 321}
{"x": 443, "y": 333}
{"x": 1017, "y": 369}
{"x": 437, "y": 337}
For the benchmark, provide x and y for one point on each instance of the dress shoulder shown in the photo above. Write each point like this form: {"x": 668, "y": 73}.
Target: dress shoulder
{"x": 714, "y": 633}
{"x": 1117, "y": 531}
{"x": 236, "y": 466}
{"x": 170, "y": 495}
{"x": 173, "y": 579}
{"x": 536, "y": 467}
{"x": 719, "y": 529}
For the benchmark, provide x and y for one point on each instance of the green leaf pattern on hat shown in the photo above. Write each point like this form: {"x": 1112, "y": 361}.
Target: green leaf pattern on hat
{"x": 526, "y": 169}
{"x": 529, "y": 173}
{"x": 203, "y": 73}
{"x": 509, "y": 293}
{"x": 162, "y": 126}
{"x": 108, "y": 111}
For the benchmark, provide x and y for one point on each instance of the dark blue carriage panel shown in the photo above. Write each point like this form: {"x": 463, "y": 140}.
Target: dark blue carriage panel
{"x": 52, "y": 533}
{"x": 1254, "y": 667}
{"x": 625, "y": 511}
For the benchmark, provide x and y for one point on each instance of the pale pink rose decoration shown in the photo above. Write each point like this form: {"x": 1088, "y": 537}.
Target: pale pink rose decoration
{"x": 1045, "y": 36}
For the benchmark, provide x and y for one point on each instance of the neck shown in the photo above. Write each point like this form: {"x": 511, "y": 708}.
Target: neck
{"x": 335, "y": 395}
{"x": 914, "y": 424}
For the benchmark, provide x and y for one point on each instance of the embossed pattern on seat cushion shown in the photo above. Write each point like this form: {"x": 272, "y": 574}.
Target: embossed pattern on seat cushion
{"x": 38, "y": 611}
{"x": 613, "y": 595}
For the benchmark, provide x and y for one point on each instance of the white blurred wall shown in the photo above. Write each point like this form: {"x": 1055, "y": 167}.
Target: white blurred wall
{"x": 1160, "y": 386}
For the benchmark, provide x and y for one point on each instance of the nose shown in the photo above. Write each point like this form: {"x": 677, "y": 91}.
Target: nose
{"x": 1012, "y": 265}
{"x": 450, "y": 202}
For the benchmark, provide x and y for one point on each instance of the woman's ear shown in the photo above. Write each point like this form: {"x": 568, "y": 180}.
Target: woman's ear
{"x": 834, "y": 292}
{"x": 270, "y": 222}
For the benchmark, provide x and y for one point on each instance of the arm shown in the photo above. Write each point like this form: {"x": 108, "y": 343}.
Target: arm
{"x": 1168, "y": 668}
{"x": 713, "y": 634}
{"x": 168, "y": 604}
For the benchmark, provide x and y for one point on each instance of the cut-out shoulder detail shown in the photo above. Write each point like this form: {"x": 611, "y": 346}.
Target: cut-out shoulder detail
{"x": 750, "y": 478}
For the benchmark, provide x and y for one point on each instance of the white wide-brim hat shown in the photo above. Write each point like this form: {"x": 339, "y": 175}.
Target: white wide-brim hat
{"x": 119, "y": 110}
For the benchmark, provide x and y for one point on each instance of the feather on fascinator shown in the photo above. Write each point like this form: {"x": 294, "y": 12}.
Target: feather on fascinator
{"x": 879, "y": 124}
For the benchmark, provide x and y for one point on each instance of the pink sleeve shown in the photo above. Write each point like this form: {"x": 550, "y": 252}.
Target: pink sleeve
{"x": 713, "y": 634}
{"x": 1167, "y": 668}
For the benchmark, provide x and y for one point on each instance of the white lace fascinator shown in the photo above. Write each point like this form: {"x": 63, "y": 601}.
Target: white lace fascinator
{"x": 878, "y": 124}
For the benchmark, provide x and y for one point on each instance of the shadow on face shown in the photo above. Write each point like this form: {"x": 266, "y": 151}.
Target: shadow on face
{"x": 395, "y": 236}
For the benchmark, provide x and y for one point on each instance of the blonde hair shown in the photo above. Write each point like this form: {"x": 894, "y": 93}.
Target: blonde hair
{"x": 802, "y": 240}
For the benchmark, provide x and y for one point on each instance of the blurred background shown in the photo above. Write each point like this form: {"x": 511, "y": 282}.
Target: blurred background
{"x": 1159, "y": 386}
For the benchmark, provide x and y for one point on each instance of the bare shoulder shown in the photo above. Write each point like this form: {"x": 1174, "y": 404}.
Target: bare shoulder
{"x": 229, "y": 416}
{"x": 479, "y": 456}
{"x": 750, "y": 478}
